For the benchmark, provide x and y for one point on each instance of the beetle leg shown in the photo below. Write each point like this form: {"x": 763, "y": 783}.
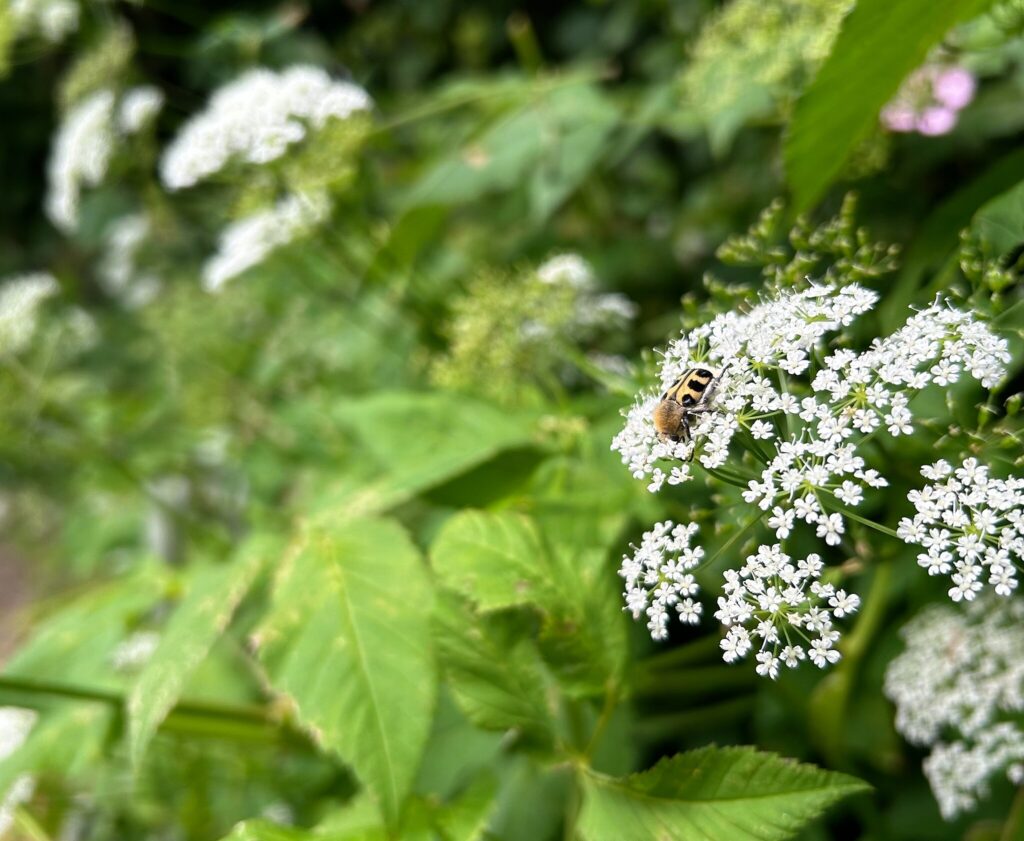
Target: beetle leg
{"x": 684, "y": 427}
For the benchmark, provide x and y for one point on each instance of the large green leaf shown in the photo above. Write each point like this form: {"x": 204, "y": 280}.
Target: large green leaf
{"x": 493, "y": 670}
{"x": 735, "y": 793}
{"x": 213, "y": 594}
{"x": 880, "y": 43}
{"x": 496, "y": 559}
{"x": 76, "y": 642}
{"x": 348, "y": 640}
{"x": 415, "y": 441}
{"x": 551, "y": 144}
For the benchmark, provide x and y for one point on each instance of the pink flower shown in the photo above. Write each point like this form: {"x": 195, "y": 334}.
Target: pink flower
{"x": 898, "y": 117}
{"x": 935, "y": 120}
{"x": 954, "y": 87}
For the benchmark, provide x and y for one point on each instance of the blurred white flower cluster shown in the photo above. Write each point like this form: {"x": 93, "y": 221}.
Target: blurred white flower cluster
{"x": 53, "y": 20}
{"x": 118, "y": 270}
{"x": 247, "y": 242}
{"x": 85, "y": 143}
{"x": 962, "y": 675}
{"x": 593, "y": 309}
{"x": 15, "y": 725}
{"x": 81, "y": 154}
{"x": 968, "y": 523}
{"x": 135, "y": 651}
{"x": 138, "y": 107}
{"x": 20, "y": 300}
{"x": 255, "y": 119}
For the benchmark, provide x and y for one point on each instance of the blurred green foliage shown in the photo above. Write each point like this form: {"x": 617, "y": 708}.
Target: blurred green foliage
{"x": 363, "y": 496}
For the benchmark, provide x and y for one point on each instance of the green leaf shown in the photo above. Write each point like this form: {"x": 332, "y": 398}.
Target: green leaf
{"x": 466, "y": 818}
{"x": 348, "y": 640}
{"x": 999, "y": 223}
{"x": 416, "y": 441}
{"x": 260, "y": 830}
{"x": 76, "y": 643}
{"x": 585, "y": 632}
{"x": 213, "y": 595}
{"x": 735, "y": 793}
{"x": 68, "y": 740}
{"x": 494, "y": 672}
{"x": 496, "y": 559}
{"x": 551, "y": 144}
{"x": 880, "y": 43}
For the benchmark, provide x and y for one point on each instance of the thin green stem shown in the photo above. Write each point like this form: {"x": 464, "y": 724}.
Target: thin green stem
{"x": 541, "y": 87}
{"x": 28, "y": 827}
{"x": 687, "y": 654}
{"x": 1013, "y": 829}
{"x": 846, "y": 512}
{"x": 611, "y": 700}
{"x": 729, "y": 477}
{"x": 748, "y": 526}
{"x": 232, "y": 721}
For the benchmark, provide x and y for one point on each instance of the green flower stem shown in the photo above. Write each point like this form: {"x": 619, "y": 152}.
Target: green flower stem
{"x": 698, "y": 651}
{"x": 541, "y": 87}
{"x": 748, "y": 526}
{"x": 728, "y": 477}
{"x": 871, "y": 524}
{"x": 1013, "y": 829}
{"x": 693, "y": 682}
{"x": 239, "y": 722}
{"x": 28, "y": 827}
{"x": 611, "y": 701}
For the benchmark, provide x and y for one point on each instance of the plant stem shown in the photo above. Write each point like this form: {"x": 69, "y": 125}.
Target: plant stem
{"x": 196, "y": 717}
{"x": 846, "y": 512}
{"x": 1013, "y": 829}
{"x": 611, "y": 700}
{"x": 753, "y": 521}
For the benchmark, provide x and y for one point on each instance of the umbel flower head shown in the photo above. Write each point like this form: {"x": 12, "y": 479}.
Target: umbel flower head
{"x": 256, "y": 118}
{"x": 970, "y": 525}
{"x": 958, "y": 688}
{"x": 792, "y": 396}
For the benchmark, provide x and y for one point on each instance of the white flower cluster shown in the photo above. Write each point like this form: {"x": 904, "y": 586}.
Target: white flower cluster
{"x": 802, "y": 411}
{"x": 783, "y": 605}
{"x": 20, "y": 300}
{"x": 962, "y": 673}
{"x": 138, "y": 107}
{"x": 118, "y": 271}
{"x": 777, "y": 335}
{"x": 594, "y": 309}
{"x": 81, "y": 154}
{"x": 15, "y": 725}
{"x": 969, "y": 524}
{"x": 255, "y": 119}
{"x": 54, "y": 20}
{"x": 658, "y": 576}
{"x": 247, "y": 242}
